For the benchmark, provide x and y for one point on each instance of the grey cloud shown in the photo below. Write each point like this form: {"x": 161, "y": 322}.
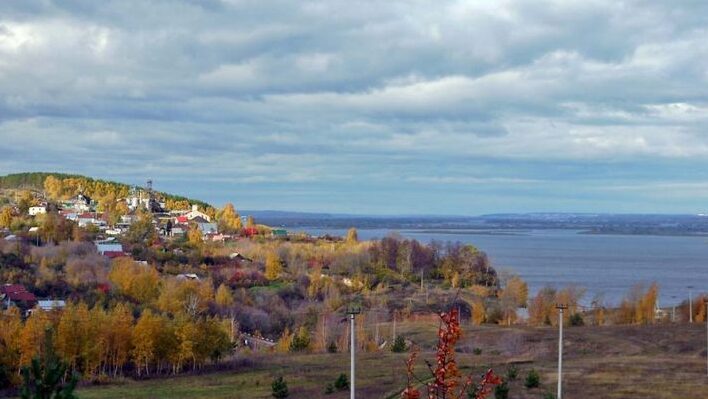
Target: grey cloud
{"x": 274, "y": 91}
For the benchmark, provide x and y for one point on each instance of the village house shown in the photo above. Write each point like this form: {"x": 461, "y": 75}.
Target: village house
{"x": 17, "y": 295}
{"x": 184, "y": 220}
{"x": 208, "y": 228}
{"x": 177, "y": 231}
{"x": 111, "y": 250}
{"x": 279, "y": 233}
{"x": 69, "y": 214}
{"x": 86, "y": 219}
{"x": 195, "y": 213}
{"x": 48, "y": 305}
{"x": 80, "y": 203}
{"x": 37, "y": 210}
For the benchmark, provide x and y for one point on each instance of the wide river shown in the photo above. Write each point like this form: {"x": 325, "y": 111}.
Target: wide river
{"x": 607, "y": 266}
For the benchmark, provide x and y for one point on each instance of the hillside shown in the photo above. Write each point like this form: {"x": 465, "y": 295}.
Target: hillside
{"x": 91, "y": 186}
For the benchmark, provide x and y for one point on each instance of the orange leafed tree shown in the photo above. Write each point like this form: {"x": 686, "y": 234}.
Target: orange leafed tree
{"x": 447, "y": 380}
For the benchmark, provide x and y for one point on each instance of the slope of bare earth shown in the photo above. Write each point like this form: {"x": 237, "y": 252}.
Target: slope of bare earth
{"x": 663, "y": 361}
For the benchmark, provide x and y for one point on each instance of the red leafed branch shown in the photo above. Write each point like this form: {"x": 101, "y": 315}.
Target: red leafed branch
{"x": 410, "y": 392}
{"x": 486, "y": 386}
{"x": 445, "y": 374}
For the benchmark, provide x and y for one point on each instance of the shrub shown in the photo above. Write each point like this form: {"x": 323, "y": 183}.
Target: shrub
{"x": 329, "y": 389}
{"x": 280, "y": 388}
{"x": 576, "y": 320}
{"x": 341, "y": 383}
{"x": 399, "y": 344}
{"x": 501, "y": 391}
{"x": 512, "y": 373}
{"x": 549, "y": 395}
{"x": 533, "y": 380}
{"x": 477, "y": 351}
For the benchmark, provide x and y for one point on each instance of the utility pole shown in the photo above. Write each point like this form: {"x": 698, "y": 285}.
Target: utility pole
{"x": 673, "y": 309}
{"x": 324, "y": 331}
{"x": 690, "y": 304}
{"x": 353, "y": 311}
{"x": 421, "y": 279}
{"x": 560, "y": 308}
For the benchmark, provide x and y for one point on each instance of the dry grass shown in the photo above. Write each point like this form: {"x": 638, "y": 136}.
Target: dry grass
{"x": 666, "y": 361}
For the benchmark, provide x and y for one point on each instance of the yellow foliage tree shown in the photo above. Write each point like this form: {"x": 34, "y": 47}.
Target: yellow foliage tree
{"x": 517, "y": 290}
{"x": 352, "y": 236}
{"x": 54, "y": 188}
{"x": 118, "y": 333}
{"x": 455, "y": 280}
{"x": 177, "y": 204}
{"x": 94, "y": 351}
{"x": 26, "y": 201}
{"x": 188, "y": 296}
{"x": 250, "y": 223}
{"x": 146, "y": 340}
{"x": 542, "y": 308}
{"x": 194, "y": 236}
{"x": 599, "y": 315}
{"x": 10, "y": 334}
{"x": 187, "y": 336}
{"x": 229, "y": 220}
{"x": 284, "y": 342}
{"x": 316, "y": 283}
{"x": 6, "y": 216}
{"x": 273, "y": 266}
{"x": 33, "y": 336}
{"x": 639, "y": 306}
{"x": 479, "y": 313}
{"x": 224, "y": 297}
{"x": 137, "y": 281}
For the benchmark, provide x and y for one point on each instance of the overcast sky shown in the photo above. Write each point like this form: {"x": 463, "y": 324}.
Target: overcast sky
{"x": 389, "y": 107}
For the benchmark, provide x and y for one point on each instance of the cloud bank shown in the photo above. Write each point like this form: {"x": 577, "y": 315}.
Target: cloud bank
{"x": 454, "y": 107}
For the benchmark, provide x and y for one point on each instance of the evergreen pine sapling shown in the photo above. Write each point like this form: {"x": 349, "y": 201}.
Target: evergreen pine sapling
{"x": 399, "y": 344}
{"x": 501, "y": 391}
{"x": 533, "y": 380}
{"x": 43, "y": 379}
{"x": 341, "y": 383}
{"x": 280, "y": 388}
{"x": 512, "y": 373}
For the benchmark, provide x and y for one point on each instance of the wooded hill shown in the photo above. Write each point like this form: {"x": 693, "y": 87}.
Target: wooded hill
{"x": 94, "y": 188}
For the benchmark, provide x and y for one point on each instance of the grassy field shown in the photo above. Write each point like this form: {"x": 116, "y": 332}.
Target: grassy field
{"x": 665, "y": 361}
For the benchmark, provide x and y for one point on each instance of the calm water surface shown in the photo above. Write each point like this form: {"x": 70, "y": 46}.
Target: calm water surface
{"x": 606, "y": 265}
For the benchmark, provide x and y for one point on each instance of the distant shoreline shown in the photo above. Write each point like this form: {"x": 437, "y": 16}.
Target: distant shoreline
{"x": 654, "y": 234}
{"x": 507, "y": 232}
